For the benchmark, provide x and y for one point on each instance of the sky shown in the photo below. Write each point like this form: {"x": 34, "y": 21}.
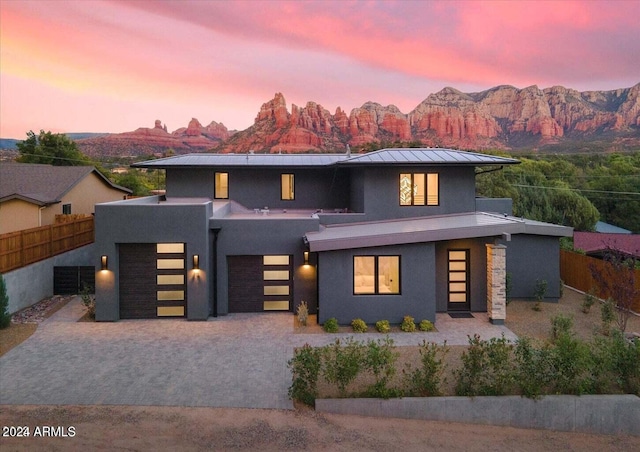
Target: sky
{"x": 113, "y": 66}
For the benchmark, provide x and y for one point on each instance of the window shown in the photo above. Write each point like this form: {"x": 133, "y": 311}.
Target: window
{"x": 376, "y": 275}
{"x": 66, "y": 209}
{"x": 286, "y": 187}
{"x": 419, "y": 189}
{"x": 222, "y": 186}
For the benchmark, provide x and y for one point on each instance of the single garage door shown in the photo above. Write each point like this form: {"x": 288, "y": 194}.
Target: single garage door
{"x": 260, "y": 283}
{"x": 152, "y": 280}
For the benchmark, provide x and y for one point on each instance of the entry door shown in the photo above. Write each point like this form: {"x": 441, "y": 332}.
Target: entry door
{"x": 458, "y": 280}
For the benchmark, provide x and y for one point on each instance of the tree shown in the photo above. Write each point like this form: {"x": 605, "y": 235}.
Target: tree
{"x": 616, "y": 279}
{"x": 5, "y": 317}
{"x": 50, "y": 149}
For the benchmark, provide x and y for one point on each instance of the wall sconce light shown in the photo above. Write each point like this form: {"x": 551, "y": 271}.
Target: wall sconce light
{"x": 196, "y": 262}
{"x": 104, "y": 262}
{"x": 306, "y": 258}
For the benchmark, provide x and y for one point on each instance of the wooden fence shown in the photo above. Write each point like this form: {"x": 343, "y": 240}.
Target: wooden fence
{"x": 25, "y": 247}
{"x": 575, "y": 271}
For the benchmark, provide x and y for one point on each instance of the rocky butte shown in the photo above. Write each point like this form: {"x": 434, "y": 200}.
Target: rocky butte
{"x": 503, "y": 117}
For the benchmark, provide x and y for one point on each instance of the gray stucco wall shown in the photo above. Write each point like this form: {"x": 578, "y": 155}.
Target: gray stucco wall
{"x": 417, "y": 286}
{"x": 262, "y": 236}
{"x": 318, "y": 188}
{"x": 149, "y": 221}
{"x": 30, "y": 284}
{"x": 381, "y": 192}
{"x": 531, "y": 258}
{"x": 478, "y": 271}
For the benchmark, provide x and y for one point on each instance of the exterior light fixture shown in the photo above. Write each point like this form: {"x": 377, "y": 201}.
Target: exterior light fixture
{"x": 104, "y": 262}
{"x": 196, "y": 262}
{"x": 306, "y": 258}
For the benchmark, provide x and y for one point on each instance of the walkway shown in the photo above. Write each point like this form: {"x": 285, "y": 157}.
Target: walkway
{"x": 239, "y": 360}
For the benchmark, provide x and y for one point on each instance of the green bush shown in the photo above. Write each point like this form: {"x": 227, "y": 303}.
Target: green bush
{"x": 571, "y": 366}
{"x": 425, "y": 381}
{"x": 616, "y": 363}
{"x": 305, "y": 367}
{"x": 540, "y": 289}
{"x": 508, "y": 286}
{"x": 408, "y": 324}
{"x": 561, "y": 324}
{"x": 383, "y": 326}
{"x": 5, "y": 317}
{"x": 607, "y": 315}
{"x": 588, "y": 301}
{"x": 331, "y": 325}
{"x": 487, "y": 368}
{"x": 426, "y": 325}
{"x": 359, "y": 326}
{"x": 342, "y": 363}
{"x": 532, "y": 374}
{"x": 380, "y": 358}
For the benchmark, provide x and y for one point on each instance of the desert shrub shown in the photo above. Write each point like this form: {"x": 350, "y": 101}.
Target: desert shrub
{"x": 426, "y": 325}
{"x": 607, "y": 315}
{"x": 358, "y": 326}
{"x": 331, "y": 325}
{"x": 383, "y": 326}
{"x": 342, "y": 362}
{"x": 508, "y": 287}
{"x": 425, "y": 381}
{"x": 561, "y": 292}
{"x": 303, "y": 313}
{"x": 616, "y": 363}
{"x": 88, "y": 300}
{"x": 561, "y": 324}
{"x": 540, "y": 289}
{"x": 588, "y": 301}
{"x": 380, "y": 358}
{"x": 570, "y": 366}
{"x": 305, "y": 367}
{"x": 487, "y": 368}
{"x": 5, "y": 317}
{"x": 532, "y": 365}
{"x": 408, "y": 324}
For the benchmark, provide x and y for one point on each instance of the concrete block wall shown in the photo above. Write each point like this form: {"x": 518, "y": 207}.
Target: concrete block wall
{"x": 600, "y": 414}
{"x": 28, "y": 285}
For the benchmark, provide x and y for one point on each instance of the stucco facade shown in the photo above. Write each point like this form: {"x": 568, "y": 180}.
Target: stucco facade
{"x": 376, "y": 236}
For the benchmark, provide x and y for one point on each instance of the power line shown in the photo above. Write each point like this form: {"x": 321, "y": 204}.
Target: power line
{"x": 579, "y": 189}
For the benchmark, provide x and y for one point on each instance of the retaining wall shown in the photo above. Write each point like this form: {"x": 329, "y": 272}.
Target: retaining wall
{"x": 30, "y": 284}
{"x": 600, "y": 414}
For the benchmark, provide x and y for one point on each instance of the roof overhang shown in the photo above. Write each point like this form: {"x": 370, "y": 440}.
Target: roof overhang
{"x": 426, "y": 229}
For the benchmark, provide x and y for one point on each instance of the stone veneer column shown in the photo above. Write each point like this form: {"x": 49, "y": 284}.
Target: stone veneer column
{"x": 496, "y": 283}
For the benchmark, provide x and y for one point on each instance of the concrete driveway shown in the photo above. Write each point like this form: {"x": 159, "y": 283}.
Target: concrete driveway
{"x": 239, "y": 360}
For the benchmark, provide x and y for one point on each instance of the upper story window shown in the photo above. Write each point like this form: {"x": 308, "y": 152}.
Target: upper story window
{"x": 66, "y": 209}
{"x": 287, "y": 187}
{"x": 376, "y": 275}
{"x": 419, "y": 189}
{"x": 222, "y": 186}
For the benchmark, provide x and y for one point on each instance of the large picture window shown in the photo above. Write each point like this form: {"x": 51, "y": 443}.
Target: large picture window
{"x": 419, "y": 189}
{"x": 222, "y": 186}
{"x": 287, "y": 187}
{"x": 376, "y": 275}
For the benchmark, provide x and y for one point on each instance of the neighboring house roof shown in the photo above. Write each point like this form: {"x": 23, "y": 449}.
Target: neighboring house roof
{"x": 596, "y": 242}
{"x": 426, "y": 229}
{"x": 43, "y": 184}
{"x": 601, "y": 226}
{"x": 384, "y": 157}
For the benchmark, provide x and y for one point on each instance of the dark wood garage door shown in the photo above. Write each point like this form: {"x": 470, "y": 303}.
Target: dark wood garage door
{"x": 152, "y": 280}
{"x": 260, "y": 283}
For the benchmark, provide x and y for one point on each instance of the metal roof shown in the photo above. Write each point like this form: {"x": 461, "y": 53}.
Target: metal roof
{"x": 383, "y": 157}
{"x": 426, "y": 229}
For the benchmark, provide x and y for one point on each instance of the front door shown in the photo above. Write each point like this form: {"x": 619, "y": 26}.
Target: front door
{"x": 458, "y": 280}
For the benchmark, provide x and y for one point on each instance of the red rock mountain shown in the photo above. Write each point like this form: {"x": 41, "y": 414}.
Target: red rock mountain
{"x": 503, "y": 117}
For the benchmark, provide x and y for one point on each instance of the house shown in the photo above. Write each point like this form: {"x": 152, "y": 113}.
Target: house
{"x": 598, "y": 243}
{"x": 374, "y": 236}
{"x": 31, "y": 195}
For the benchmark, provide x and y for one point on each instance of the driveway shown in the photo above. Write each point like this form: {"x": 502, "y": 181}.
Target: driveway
{"x": 239, "y": 360}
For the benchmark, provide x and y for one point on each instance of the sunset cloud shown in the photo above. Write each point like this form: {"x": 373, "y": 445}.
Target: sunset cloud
{"x": 113, "y": 66}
